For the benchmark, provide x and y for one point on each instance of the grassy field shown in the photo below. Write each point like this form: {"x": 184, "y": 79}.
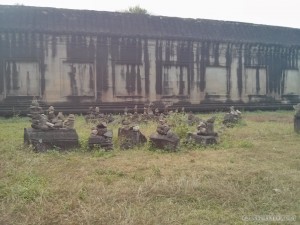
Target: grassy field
{"x": 254, "y": 172}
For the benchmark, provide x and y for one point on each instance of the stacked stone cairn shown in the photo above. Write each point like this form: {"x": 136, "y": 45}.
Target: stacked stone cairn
{"x": 95, "y": 116}
{"x": 232, "y": 118}
{"x": 49, "y": 131}
{"x": 297, "y": 118}
{"x": 148, "y": 113}
{"x": 129, "y": 134}
{"x": 101, "y": 137}
{"x": 164, "y": 138}
{"x": 135, "y": 116}
{"x": 205, "y": 134}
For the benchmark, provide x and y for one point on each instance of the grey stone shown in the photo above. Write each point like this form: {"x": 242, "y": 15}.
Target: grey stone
{"x": 166, "y": 142}
{"x": 101, "y": 141}
{"x": 232, "y": 118}
{"x": 205, "y": 134}
{"x": 101, "y": 136}
{"x": 202, "y": 139}
{"x": 56, "y": 138}
{"x": 130, "y": 137}
{"x": 297, "y": 118}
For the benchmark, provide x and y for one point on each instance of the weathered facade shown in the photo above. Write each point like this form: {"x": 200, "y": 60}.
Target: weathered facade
{"x": 80, "y": 57}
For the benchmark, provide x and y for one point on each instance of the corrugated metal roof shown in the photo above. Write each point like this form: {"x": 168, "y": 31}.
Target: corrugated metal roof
{"x": 40, "y": 19}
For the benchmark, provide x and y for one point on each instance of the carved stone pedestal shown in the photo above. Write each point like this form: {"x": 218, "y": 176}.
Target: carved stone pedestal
{"x": 167, "y": 142}
{"x": 43, "y": 140}
{"x": 202, "y": 140}
{"x": 129, "y": 138}
{"x": 230, "y": 120}
{"x": 297, "y": 123}
{"x": 104, "y": 141}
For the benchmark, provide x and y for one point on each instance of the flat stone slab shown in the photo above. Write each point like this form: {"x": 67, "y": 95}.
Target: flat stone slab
{"x": 202, "y": 140}
{"x": 104, "y": 141}
{"x": 130, "y": 138}
{"x": 165, "y": 142}
{"x": 42, "y": 140}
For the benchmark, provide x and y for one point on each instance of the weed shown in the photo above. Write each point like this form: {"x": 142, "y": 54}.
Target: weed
{"x": 245, "y": 144}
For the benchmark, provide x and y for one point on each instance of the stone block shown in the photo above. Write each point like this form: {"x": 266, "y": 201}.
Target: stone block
{"x": 104, "y": 141}
{"x": 129, "y": 138}
{"x": 43, "y": 140}
{"x": 202, "y": 139}
{"x": 297, "y": 123}
{"x": 165, "y": 142}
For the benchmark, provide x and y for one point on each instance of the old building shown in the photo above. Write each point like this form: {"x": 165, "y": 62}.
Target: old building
{"x": 80, "y": 57}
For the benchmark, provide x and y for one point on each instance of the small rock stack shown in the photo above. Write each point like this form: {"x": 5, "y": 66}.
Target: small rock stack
{"x": 205, "y": 134}
{"x": 232, "y": 118}
{"x": 101, "y": 136}
{"x": 50, "y": 131}
{"x": 164, "y": 138}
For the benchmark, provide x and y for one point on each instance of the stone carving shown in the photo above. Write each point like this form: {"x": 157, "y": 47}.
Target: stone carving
{"x": 51, "y": 114}
{"x": 205, "y": 134}
{"x": 69, "y": 122}
{"x": 58, "y": 121}
{"x": 50, "y": 131}
{"x": 192, "y": 119}
{"x": 101, "y": 136}
{"x": 164, "y": 138}
{"x": 297, "y": 118}
{"x": 232, "y": 118}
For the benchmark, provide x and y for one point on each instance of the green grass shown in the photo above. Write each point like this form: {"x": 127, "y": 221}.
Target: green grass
{"x": 254, "y": 170}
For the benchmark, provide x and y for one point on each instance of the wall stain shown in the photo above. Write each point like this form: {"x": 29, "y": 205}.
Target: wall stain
{"x": 240, "y": 70}
{"x": 158, "y": 61}
{"x": 257, "y": 81}
{"x": 54, "y": 46}
{"x": 15, "y": 76}
{"x": 91, "y": 81}
{"x": 228, "y": 58}
{"x": 198, "y": 65}
{"x": 73, "y": 83}
{"x": 275, "y": 59}
{"x": 102, "y": 65}
{"x": 191, "y": 74}
{"x": 7, "y": 76}
{"x": 147, "y": 68}
{"x": 133, "y": 53}
{"x": 216, "y": 51}
{"x": 43, "y": 66}
{"x": 204, "y": 61}
{"x": 139, "y": 81}
{"x": 2, "y": 50}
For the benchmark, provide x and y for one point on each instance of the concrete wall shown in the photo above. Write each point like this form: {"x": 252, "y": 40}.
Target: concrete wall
{"x": 89, "y": 68}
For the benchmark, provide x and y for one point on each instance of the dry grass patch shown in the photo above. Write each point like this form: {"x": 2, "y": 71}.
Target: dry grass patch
{"x": 253, "y": 171}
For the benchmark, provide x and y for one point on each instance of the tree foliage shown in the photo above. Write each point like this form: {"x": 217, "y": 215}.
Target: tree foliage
{"x": 136, "y": 9}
